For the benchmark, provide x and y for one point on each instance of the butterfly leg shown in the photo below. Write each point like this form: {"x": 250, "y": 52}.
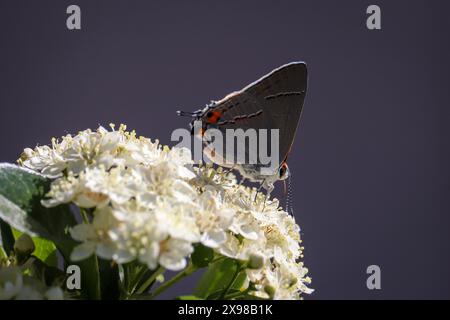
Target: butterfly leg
{"x": 228, "y": 170}
{"x": 269, "y": 188}
{"x": 259, "y": 189}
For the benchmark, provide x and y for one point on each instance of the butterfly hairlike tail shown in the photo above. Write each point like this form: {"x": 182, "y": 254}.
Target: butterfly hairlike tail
{"x": 289, "y": 201}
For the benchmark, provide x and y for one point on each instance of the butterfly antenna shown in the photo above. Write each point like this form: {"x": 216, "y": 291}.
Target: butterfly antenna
{"x": 286, "y": 196}
{"x": 187, "y": 114}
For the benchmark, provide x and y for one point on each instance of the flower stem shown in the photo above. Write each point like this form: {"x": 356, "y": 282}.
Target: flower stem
{"x": 189, "y": 269}
{"x": 220, "y": 258}
{"x": 93, "y": 279}
{"x": 132, "y": 279}
{"x": 84, "y": 215}
{"x": 149, "y": 281}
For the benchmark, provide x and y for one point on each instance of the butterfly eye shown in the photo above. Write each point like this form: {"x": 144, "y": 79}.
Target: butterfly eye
{"x": 283, "y": 172}
{"x": 209, "y": 114}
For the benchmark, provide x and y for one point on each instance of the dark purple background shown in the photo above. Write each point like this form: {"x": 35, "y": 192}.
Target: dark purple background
{"x": 370, "y": 161}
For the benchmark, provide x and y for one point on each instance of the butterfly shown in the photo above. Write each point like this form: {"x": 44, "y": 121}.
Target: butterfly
{"x": 275, "y": 101}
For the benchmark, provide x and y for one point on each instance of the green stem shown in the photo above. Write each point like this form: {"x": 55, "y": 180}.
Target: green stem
{"x": 133, "y": 281}
{"x": 189, "y": 269}
{"x": 91, "y": 269}
{"x": 220, "y": 258}
{"x": 84, "y": 215}
{"x": 125, "y": 284}
{"x": 150, "y": 280}
{"x": 94, "y": 282}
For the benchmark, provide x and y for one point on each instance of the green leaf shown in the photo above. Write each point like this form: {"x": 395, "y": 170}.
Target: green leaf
{"x": 45, "y": 249}
{"x": 6, "y": 238}
{"x": 191, "y": 297}
{"x": 240, "y": 280}
{"x": 218, "y": 293}
{"x": 2, "y": 253}
{"x": 217, "y": 277}
{"x": 202, "y": 256}
{"x": 234, "y": 288}
{"x": 21, "y": 192}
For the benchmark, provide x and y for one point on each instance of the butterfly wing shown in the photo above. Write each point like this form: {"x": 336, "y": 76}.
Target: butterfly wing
{"x": 273, "y": 102}
{"x": 283, "y": 91}
{"x": 291, "y": 77}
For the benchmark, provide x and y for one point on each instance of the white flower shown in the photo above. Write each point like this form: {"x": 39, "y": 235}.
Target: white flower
{"x": 213, "y": 219}
{"x": 15, "y": 285}
{"x": 54, "y": 293}
{"x": 118, "y": 184}
{"x": 177, "y": 220}
{"x": 150, "y": 203}
{"x": 246, "y": 226}
{"x": 242, "y": 249}
{"x": 65, "y": 190}
{"x": 173, "y": 253}
{"x": 94, "y": 236}
{"x": 44, "y": 159}
{"x": 11, "y": 283}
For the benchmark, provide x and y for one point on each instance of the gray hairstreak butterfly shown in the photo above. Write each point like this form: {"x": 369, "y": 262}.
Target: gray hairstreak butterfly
{"x": 274, "y": 102}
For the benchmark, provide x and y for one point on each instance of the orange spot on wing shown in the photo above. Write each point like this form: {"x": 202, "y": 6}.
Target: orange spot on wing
{"x": 214, "y": 116}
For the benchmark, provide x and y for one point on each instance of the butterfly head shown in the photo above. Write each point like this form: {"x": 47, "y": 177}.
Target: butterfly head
{"x": 207, "y": 116}
{"x": 283, "y": 171}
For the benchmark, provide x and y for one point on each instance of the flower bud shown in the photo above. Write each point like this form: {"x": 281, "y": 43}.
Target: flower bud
{"x": 256, "y": 261}
{"x": 23, "y": 247}
{"x": 270, "y": 291}
{"x": 292, "y": 282}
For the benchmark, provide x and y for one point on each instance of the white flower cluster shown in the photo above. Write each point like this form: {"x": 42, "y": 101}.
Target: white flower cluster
{"x": 151, "y": 203}
{"x": 14, "y": 285}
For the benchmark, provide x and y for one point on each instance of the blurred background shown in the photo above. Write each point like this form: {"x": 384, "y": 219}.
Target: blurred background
{"x": 370, "y": 162}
